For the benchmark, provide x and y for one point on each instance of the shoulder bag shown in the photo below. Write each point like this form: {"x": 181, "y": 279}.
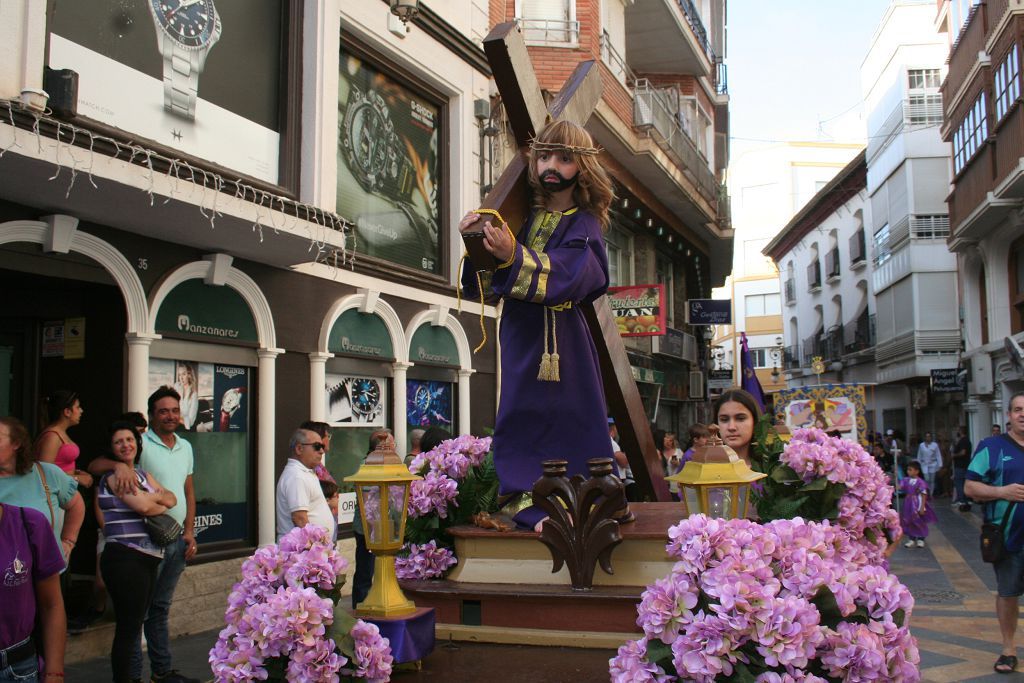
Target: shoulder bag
{"x": 993, "y": 537}
{"x": 163, "y": 529}
{"x": 46, "y": 492}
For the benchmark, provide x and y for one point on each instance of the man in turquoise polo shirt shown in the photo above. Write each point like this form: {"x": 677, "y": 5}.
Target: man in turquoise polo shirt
{"x": 996, "y": 477}
{"x": 169, "y": 458}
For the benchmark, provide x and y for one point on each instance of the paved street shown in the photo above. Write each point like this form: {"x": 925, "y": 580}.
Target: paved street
{"x": 953, "y": 621}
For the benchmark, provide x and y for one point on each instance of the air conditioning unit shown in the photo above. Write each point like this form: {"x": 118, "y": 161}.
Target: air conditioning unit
{"x": 696, "y": 385}
{"x": 643, "y": 109}
{"x": 980, "y": 381}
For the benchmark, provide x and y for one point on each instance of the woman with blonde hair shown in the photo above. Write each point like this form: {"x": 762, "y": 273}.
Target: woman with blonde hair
{"x": 550, "y": 371}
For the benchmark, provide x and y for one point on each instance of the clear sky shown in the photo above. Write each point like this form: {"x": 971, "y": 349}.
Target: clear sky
{"x": 795, "y": 63}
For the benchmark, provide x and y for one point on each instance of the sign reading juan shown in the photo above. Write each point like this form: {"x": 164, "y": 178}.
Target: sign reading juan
{"x": 639, "y": 310}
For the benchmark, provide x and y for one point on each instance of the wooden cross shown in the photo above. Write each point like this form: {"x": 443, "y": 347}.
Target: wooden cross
{"x": 527, "y": 113}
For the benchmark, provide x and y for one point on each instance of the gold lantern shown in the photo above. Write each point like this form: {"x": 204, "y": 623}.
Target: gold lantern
{"x": 716, "y": 481}
{"x": 382, "y": 485}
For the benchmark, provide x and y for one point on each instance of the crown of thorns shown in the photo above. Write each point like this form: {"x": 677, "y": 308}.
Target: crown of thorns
{"x": 537, "y": 146}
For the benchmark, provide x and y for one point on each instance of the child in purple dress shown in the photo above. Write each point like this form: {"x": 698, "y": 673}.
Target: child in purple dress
{"x": 916, "y": 513}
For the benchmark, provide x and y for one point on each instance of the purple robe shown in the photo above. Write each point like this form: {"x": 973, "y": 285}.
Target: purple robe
{"x": 914, "y": 523}
{"x": 559, "y": 262}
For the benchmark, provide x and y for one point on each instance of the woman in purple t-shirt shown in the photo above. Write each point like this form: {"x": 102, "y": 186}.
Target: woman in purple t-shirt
{"x": 30, "y": 566}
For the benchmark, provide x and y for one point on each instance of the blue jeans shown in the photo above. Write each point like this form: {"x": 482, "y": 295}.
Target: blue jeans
{"x": 158, "y": 637}
{"x": 362, "y": 580}
{"x": 959, "y": 477}
{"x": 25, "y": 671}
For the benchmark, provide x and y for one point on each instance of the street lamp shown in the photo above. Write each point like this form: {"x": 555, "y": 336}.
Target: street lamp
{"x": 382, "y": 484}
{"x": 716, "y": 482}
{"x": 404, "y": 9}
{"x": 777, "y": 354}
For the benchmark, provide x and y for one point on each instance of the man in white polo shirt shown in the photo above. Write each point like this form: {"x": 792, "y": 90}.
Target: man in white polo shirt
{"x": 300, "y": 500}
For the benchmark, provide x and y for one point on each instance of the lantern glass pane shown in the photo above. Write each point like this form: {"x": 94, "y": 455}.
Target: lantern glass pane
{"x": 369, "y": 502}
{"x": 720, "y": 502}
{"x": 692, "y": 499}
{"x": 396, "y": 505}
{"x": 741, "y": 494}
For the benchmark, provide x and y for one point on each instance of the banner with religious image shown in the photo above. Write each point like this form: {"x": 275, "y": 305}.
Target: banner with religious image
{"x": 388, "y": 166}
{"x": 833, "y": 408}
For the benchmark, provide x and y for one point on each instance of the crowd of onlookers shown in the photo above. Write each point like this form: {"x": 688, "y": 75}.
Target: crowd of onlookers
{"x": 144, "y": 502}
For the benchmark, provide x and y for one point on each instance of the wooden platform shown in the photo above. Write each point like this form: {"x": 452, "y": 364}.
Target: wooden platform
{"x": 503, "y": 589}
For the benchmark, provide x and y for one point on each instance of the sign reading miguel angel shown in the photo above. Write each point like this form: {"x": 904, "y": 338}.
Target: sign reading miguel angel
{"x": 829, "y": 407}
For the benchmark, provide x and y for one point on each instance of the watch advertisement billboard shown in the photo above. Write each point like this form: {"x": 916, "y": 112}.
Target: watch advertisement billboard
{"x": 356, "y": 401}
{"x": 215, "y": 409}
{"x": 639, "y": 310}
{"x": 388, "y": 167}
{"x": 200, "y": 76}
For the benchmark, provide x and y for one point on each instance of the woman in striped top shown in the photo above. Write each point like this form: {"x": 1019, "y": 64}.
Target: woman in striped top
{"x": 130, "y": 559}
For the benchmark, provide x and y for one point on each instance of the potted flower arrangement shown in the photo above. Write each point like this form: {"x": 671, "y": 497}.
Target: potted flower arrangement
{"x": 458, "y": 482}
{"x": 283, "y": 623}
{"x": 801, "y": 599}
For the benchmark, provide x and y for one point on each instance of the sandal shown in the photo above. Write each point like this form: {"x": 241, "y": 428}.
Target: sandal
{"x": 1008, "y": 661}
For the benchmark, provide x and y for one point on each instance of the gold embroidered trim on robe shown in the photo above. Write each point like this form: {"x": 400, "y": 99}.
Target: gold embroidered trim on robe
{"x": 542, "y": 278}
{"x": 524, "y": 279}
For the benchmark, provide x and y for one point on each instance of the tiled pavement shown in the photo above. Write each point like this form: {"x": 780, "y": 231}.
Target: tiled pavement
{"x": 953, "y": 620}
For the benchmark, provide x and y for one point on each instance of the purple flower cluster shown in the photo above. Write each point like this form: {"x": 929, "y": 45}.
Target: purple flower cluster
{"x": 424, "y": 561}
{"x": 372, "y": 661}
{"x": 744, "y": 593}
{"x": 442, "y": 470}
{"x": 864, "y": 509}
{"x": 276, "y": 611}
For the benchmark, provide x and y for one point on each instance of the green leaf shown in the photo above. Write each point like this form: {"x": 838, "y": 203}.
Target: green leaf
{"x": 899, "y": 616}
{"x": 658, "y": 651}
{"x": 827, "y": 606}
{"x": 784, "y": 473}
{"x": 818, "y": 484}
{"x": 741, "y": 674}
{"x": 859, "y": 616}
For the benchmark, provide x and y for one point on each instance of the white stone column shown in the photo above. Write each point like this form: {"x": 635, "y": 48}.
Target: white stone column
{"x": 401, "y": 368}
{"x": 266, "y": 532}
{"x": 317, "y": 382}
{"x": 464, "y": 375}
{"x": 137, "y": 394}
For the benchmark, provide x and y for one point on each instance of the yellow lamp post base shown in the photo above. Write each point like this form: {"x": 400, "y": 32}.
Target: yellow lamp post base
{"x": 385, "y": 598}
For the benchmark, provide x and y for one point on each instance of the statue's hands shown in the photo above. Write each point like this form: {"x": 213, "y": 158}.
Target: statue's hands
{"x": 468, "y": 222}
{"x": 498, "y": 241}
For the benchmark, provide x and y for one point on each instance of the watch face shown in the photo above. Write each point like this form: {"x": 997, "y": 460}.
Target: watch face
{"x": 365, "y": 398}
{"x": 422, "y": 399}
{"x": 189, "y": 22}
{"x": 368, "y": 136}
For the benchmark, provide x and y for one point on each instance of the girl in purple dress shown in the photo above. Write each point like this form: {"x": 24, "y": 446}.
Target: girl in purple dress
{"x": 916, "y": 513}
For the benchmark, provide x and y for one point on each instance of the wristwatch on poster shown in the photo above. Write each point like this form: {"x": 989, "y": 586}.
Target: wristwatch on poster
{"x": 373, "y": 150}
{"x": 185, "y": 32}
{"x": 364, "y": 397}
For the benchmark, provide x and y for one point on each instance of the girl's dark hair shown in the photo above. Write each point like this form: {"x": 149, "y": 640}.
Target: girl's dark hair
{"x": 56, "y": 403}
{"x": 23, "y": 454}
{"x": 698, "y": 431}
{"x": 329, "y": 488}
{"x": 659, "y": 438}
{"x": 121, "y": 425}
{"x": 321, "y": 429}
{"x": 432, "y": 438}
{"x": 137, "y": 419}
{"x": 915, "y": 464}
{"x": 741, "y": 396}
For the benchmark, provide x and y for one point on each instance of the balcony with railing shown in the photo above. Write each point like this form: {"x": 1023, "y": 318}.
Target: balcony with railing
{"x": 669, "y": 36}
{"x": 550, "y": 32}
{"x": 790, "y": 289}
{"x": 918, "y": 227}
{"x": 832, "y": 264}
{"x": 658, "y": 111}
{"x": 814, "y": 276}
{"x": 832, "y": 343}
{"x": 615, "y": 62}
{"x": 812, "y": 347}
{"x": 859, "y": 334}
{"x": 924, "y": 109}
{"x": 791, "y": 357}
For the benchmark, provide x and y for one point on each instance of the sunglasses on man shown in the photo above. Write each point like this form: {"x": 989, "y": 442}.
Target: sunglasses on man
{"x": 317, "y": 446}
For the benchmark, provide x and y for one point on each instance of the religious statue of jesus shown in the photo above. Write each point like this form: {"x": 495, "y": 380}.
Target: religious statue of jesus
{"x": 552, "y": 402}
